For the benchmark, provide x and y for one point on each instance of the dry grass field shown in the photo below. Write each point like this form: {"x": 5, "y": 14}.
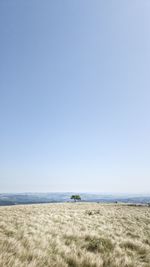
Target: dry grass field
{"x": 74, "y": 235}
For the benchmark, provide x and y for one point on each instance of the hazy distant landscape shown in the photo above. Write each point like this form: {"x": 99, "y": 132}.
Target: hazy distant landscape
{"x": 31, "y": 198}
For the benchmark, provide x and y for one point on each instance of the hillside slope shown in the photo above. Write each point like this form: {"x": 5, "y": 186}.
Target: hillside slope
{"x": 74, "y": 235}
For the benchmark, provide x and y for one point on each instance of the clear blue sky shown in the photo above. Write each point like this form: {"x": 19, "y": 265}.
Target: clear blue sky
{"x": 75, "y": 95}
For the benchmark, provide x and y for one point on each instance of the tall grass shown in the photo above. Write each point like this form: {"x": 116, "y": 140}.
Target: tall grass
{"x": 74, "y": 235}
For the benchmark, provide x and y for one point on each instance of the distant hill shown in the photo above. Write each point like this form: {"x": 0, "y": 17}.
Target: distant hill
{"x": 31, "y": 198}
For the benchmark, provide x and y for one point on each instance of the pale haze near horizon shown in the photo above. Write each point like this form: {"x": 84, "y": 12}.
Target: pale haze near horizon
{"x": 74, "y": 96}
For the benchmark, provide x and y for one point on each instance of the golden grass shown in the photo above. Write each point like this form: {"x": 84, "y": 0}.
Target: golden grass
{"x": 74, "y": 235}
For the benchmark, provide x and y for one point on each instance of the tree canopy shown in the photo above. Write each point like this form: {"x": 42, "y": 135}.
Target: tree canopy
{"x": 75, "y": 197}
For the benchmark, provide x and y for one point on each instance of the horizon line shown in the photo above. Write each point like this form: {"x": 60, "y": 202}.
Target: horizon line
{"x": 80, "y": 192}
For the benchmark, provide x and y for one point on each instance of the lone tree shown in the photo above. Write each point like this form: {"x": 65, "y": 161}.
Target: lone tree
{"x": 75, "y": 198}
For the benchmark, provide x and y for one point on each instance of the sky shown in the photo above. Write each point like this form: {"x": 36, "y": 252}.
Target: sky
{"x": 75, "y": 96}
